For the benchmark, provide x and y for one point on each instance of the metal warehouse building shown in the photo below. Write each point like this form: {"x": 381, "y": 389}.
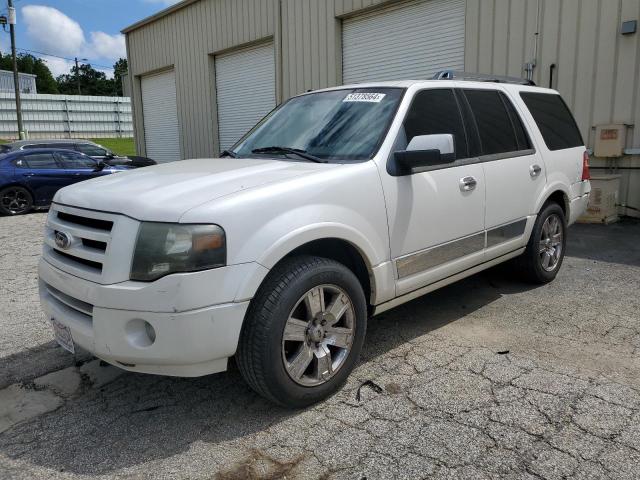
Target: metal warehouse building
{"x": 203, "y": 72}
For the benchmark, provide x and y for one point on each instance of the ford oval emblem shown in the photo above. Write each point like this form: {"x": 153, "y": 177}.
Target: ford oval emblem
{"x": 63, "y": 240}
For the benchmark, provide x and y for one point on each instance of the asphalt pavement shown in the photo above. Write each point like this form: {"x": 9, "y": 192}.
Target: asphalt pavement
{"x": 487, "y": 378}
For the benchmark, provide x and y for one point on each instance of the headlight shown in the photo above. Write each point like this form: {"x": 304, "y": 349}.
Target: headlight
{"x": 164, "y": 248}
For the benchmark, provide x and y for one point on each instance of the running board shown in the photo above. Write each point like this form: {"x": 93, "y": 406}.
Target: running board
{"x": 407, "y": 297}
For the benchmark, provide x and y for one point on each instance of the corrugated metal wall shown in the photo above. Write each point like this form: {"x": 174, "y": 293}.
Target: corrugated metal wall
{"x": 188, "y": 40}
{"x": 66, "y": 116}
{"x": 598, "y": 70}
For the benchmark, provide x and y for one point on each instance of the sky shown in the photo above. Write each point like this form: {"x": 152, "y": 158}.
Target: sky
{"x": 87, "y": 29}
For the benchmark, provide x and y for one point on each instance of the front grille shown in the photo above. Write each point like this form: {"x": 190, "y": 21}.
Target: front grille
{"x": 87, "y": 242}
{"x": 96, "y": 223}
{"x": 83, "y": 261}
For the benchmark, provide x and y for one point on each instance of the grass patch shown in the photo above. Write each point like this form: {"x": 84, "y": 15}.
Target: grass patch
{"x": 121, "y": 146}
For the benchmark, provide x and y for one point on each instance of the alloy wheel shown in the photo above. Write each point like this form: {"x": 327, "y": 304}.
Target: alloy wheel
{"x": 550, "y": 245}
{"x": 14, "y": 200}
{"x": 318, "y": 335}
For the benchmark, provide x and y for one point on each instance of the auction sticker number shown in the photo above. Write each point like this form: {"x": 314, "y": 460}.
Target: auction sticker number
{"x": 365, "y": 97}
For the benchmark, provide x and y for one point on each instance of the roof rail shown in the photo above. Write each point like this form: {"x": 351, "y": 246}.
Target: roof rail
{"x": 480, "y": 77}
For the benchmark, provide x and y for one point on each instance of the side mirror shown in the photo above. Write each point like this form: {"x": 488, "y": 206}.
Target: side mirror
{"x": 100, "y": 166}
{"x": 424, "y": 151}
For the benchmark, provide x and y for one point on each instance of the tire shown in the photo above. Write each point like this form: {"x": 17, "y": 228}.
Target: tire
{"x": 288, "y": 299}
{"x": 542, "y": 259}
{"x": 15, "y": 200}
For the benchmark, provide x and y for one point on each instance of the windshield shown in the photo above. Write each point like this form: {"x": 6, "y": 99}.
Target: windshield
{"x": 347, "y": 124}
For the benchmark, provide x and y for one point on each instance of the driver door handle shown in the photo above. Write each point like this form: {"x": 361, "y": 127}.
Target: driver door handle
{"x": 28, "y": 174}
{"x": 467, "y": 184}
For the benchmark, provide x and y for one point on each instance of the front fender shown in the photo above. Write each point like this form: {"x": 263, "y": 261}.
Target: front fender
{"x": 319, "y": 231}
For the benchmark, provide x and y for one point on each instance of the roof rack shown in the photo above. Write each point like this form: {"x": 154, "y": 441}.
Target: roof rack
{"x": 480, "y": 77}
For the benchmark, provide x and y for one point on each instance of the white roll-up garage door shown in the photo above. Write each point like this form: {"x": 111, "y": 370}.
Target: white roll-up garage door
{"x": 412, "y": 41}
{"x": 161, "y": 132}
{"x": 246, "y": 91}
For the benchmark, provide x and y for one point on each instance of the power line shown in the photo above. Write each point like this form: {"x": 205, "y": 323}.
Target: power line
{"x": 63, "y": 58}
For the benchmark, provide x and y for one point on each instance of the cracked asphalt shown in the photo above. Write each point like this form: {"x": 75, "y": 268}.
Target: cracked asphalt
{"x": 487, "y": 378}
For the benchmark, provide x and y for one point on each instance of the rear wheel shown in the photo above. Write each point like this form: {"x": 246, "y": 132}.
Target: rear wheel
{"x": 15, "y": 200}
{"x": 543, "y": 257}
{"x": 303, "y": 332}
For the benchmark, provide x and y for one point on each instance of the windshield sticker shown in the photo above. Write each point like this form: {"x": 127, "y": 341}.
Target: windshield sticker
{"x": 365, "y": 97}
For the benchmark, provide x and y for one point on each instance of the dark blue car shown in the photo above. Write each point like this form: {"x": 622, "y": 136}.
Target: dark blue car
{"x": 30, "y": 178}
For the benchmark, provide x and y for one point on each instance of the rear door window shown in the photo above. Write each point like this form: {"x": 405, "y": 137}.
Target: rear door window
{"x": 495, "y": 127}
{"x": 75, "y": 161}
{"x": 556, "y": 124}
{"x": 40, "y": 161}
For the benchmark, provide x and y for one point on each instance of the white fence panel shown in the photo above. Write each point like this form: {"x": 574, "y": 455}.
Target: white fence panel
{"x": 66, "y": 116}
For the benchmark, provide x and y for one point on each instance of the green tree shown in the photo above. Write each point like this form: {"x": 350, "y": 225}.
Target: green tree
{"x": 92, "y": 82}
{"x": 27, "y": 63}
{"x": 120, "y": 68}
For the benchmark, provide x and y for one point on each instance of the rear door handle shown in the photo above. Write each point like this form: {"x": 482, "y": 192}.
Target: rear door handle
{"x": 534, "y": 170}
{"x": 467, "y": 184}
{"x": 28, "y": 174}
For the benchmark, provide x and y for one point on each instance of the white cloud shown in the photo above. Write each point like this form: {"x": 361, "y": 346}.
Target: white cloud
{"x": 58, "y": 66}
{"x": 51, "y": 31}
{"x": 108, "y": 46}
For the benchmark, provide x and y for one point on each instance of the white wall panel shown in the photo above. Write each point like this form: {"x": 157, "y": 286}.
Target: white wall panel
{"x": 161, "y": 131}
{"x": 410, "y": 41}
{"x": 246, "y": 91}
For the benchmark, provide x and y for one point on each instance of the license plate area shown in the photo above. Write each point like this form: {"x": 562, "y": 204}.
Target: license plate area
{"x": 62, "y": 335}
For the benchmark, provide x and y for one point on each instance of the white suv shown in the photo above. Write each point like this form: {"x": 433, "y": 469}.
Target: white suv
{"x": 340, "y": 204}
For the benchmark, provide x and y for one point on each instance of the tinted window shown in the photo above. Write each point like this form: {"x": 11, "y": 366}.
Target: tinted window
{"x": 521, "y": 134}
{"x": 556, "y": 124}
{"x": 497, "y": 134}
{"x": 76, "y": 160}
{"x": 436, "y": 111}
{"x": 91, "y": 150}
{"x": 38, "y": 160}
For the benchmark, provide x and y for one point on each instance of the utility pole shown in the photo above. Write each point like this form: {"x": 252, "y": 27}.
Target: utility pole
{"x": 16, "y": 77}
{"x": 77, "y": 75}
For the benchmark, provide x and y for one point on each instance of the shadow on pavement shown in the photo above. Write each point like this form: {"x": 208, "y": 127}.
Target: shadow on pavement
{"x": 615, "y": 243}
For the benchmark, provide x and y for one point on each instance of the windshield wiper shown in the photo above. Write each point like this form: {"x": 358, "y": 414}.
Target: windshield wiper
{"x": 228, "y": 153}
{"x": 293, "y": 151}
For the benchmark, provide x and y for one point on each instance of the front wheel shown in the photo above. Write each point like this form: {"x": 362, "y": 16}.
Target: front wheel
{"x": 303, "y": 332}
{"x": 543, "y": 257}
{"x": 15, "y": 200}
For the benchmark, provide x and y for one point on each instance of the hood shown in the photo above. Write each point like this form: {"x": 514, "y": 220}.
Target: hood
{"x": 163, "y": 193}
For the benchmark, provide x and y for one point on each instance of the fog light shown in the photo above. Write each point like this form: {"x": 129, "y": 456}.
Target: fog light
{"x": 140, "y": 333}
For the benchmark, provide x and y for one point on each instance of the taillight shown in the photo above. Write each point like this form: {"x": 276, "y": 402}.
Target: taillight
{"x": 585, "y": 167}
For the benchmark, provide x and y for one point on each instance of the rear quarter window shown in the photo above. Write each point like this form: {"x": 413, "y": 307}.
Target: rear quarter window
{"x": 556, "y": 124}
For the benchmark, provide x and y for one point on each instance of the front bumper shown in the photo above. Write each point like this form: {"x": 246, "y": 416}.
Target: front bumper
{"x": 112, "y": 321}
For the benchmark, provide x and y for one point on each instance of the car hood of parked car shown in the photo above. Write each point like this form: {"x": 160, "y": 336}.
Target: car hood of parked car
{"x": 163, "y": 193}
